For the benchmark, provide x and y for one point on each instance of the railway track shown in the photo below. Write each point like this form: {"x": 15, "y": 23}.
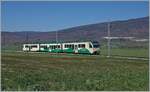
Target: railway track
{"x": 113, "y": 56}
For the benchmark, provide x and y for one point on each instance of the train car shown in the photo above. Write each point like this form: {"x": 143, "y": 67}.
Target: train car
{"x": 44, "y": 47}
{"x": 31, "y": 47}
{"x": 81, "y": 47}
{"x": 55, "y": 48}
{"x": 71, "y": 47}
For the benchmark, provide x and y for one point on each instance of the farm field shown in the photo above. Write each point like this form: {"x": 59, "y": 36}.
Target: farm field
{"x": 45, "y": 71}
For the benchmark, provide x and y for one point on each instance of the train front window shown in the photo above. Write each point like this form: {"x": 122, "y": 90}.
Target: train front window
{"x": 95, "y": 45}
{"x": 90, "y": 45}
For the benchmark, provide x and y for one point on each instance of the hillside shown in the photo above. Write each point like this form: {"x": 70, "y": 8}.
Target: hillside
{"x": 138, "y": 27}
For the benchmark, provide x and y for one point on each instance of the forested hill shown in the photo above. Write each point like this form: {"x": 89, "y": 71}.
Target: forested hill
{"x": 138, "y": 27}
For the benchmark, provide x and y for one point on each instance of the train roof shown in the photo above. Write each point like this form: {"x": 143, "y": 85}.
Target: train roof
{"x": 63, "y": 42}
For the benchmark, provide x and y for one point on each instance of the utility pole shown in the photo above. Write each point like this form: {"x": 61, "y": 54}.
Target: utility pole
{"x": 108, "y": 42}
{"x": 27, "y": 39}
{"x": 56, "y": 37}
{"x": 39, "y": 43}
{"x": 56, "y": 41}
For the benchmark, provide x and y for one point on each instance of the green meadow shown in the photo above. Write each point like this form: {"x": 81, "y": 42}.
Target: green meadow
{"x": 127, "y": 52}
{"x": 22, "y": 71}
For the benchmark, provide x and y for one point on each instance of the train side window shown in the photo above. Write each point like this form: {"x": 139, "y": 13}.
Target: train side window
{"x": 81, "y": 45}
{"x": 65, "y": 46}
{"x": 45, "y": 47}
{"x": 34, "y": 46}
{"x": 75, "y": 46}
{"x": 90, "y": 46}
{"x": 54, "y": 46}
{"x": 26, "y": 46}
{"x": 68, "y": 46}
{"x": 72, "y": 46}
{"x": 50, "y": 47}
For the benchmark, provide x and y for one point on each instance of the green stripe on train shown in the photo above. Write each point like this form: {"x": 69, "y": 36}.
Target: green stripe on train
{"x": 69, "y": 50}
{"x": 44, "y": 50}
{"x": 56, "y": 50}
{"x": 84, "y": 51}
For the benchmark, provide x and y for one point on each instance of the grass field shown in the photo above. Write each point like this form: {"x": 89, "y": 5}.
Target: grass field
{"x": 44, "y": 71}
{"x": 128, "y": 52}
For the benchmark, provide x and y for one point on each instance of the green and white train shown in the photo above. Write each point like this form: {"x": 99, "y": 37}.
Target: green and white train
{"x": 74, "y": 47}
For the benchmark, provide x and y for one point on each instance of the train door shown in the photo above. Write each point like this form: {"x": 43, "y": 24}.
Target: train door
{"x": 29, "y": 48}
{"x": 76, "y": 48}
{"x": 61, "y": 45}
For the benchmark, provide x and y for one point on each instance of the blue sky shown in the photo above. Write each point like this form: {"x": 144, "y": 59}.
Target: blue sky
{"x": 52, "y": 16}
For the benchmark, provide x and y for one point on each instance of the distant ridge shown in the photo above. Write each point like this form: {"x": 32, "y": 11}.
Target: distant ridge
{"x": 138, "y": 27}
